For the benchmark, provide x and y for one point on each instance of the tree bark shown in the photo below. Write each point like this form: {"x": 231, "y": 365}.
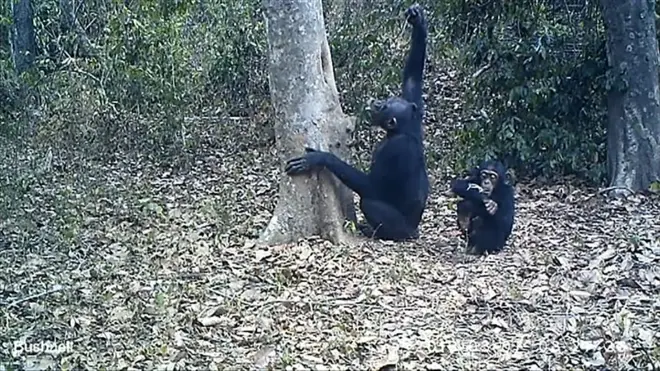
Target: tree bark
{"x": 633, "y": 133}
{"x": 307, "y": 114}
{"x": 23, "y": 40}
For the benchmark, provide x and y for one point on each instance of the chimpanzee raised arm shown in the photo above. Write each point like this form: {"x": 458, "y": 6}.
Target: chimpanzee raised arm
{"x": 393, "y": 193}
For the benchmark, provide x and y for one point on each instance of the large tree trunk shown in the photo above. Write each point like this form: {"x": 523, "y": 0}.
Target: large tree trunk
{"x": 633, "y": 153}
{"x": 307, "y": 114}
{"x": 23, "y": 40}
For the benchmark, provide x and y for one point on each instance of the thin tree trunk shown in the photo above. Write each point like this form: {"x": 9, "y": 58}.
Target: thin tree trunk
{"x": 23, "y": 40}
{"x": 307, "y": 114}
{"x": 69, "y": 23}
{"x": 633, "y": 153}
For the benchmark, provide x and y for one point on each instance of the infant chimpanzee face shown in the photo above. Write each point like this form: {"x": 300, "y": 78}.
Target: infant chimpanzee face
{"x": 491, "y": 173}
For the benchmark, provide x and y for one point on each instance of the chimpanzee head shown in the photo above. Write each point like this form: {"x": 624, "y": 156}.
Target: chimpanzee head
{"x": 491, "y": 174}
{"x": 392, "y": 114}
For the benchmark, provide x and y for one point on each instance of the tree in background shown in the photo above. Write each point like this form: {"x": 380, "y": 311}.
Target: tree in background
{"x": 69, "y": 24}
{"x": 307, "y": 114}
{"x": 633, "y": 133}
{"x": 539, "y": 100}
{"x": 23, "y": 40}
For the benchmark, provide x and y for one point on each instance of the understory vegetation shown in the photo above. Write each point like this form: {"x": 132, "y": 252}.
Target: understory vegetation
{"x": 531, "y": 80}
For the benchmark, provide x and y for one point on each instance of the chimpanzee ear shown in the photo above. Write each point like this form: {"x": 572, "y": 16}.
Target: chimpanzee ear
{"x": 414, "y": 107}
{"x": 510, "y": 177}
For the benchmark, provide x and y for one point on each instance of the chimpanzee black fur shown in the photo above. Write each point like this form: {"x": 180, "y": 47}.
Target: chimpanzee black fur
{"x": 487, "y": 210}
{"x": 393, "y": 193}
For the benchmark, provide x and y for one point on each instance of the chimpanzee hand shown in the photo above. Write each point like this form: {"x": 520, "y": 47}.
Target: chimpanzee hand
{"x": 415, "y": 15}
{"x": 475, "y": 186}
{"x": 311, "y": 159}
{"x": 491, "y": 206}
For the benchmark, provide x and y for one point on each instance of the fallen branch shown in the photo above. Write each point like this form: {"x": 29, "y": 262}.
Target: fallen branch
{"x": 605, "y": 190}
{"x": 55, "y": 289}
{"x": 612, "y": 188}
{"x": 481, "y": 70}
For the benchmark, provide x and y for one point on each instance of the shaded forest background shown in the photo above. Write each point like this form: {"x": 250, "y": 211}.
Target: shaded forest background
{"x": 528, "y": 82}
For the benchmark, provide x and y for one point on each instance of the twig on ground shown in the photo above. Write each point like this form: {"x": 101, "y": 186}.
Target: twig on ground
{"x": 605, "y": 190}
{"x": 55, "y": 289}
{"x": 481, "y": 70}
{"x": 612, "y": 188}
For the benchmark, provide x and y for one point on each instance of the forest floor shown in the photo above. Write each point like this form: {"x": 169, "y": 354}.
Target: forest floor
{"x": 130, "y": 265}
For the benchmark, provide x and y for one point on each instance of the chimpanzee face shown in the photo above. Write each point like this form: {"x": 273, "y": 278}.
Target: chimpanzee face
{"x": 392, "y": 113}
{"x": 491, "y": 173}
{"x": 489, "y": 180}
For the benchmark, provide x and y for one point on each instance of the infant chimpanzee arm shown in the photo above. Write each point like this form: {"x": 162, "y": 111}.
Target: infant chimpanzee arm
{"x": 413, "y": 72}
{"x": 462, "y": 188}
{"x": 505, "y": 200}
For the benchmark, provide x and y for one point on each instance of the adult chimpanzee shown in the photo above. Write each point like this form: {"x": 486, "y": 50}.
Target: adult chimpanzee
{"x": 487, "y": 210}
{"x": 393, "y": 193}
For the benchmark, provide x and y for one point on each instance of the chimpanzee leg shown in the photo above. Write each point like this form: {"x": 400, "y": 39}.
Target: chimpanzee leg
{"x": 464, "y": 215}
{"x": 386, "y": 221}
{"x": 486, "y": 239}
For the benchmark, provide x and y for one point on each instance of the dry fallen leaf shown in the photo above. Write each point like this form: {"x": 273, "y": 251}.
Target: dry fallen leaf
{"x": 589, "y": 345}
{"x": 597, "y": 360}
{"x": 646, "y": 336}
{"x": 259, "y": 255}
{"x": 210, "y": 321}
{"x": 389, "y": 358}
{"x": 263, "y": 357}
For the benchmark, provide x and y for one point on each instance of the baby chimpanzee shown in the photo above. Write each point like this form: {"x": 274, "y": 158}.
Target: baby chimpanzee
{"x": 487, "y": 210}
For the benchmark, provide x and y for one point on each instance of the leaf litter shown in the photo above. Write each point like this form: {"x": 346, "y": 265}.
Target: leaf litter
{"x": 138, "y": 264}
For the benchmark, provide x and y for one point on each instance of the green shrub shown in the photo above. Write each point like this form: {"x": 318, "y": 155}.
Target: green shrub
{"x": 539, "y": 102}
